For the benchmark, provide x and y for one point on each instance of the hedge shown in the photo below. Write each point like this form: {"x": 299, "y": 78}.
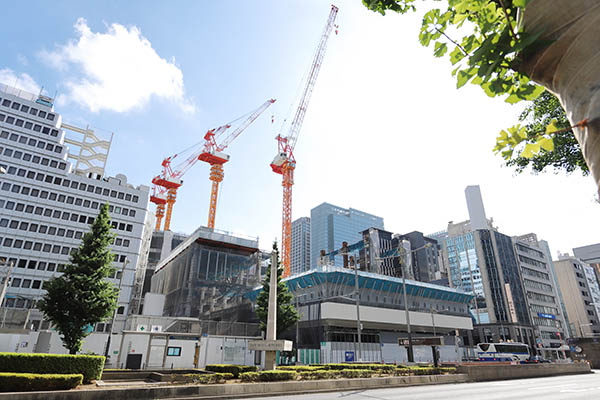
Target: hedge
{"x": 377, "y": 367}
{"x": 322, "y": 374}
{"x": 18, "y": 382}
{"x": 236, "y": 370}
{"x": 36, "y": 363}
{"x": 300, "y": 368}
{"x": 268, "y": 376}
{"x": 219, "y": 377}
{"x": 425, "y": 371}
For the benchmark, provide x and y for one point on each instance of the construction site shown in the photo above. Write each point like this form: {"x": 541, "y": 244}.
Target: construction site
{"x": 210, "y": 271}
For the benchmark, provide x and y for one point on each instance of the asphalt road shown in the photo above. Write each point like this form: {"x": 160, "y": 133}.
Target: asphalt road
{"x": 570, "y": 387}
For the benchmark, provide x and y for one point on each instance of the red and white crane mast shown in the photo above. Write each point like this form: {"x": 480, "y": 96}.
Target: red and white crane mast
{"x": 285, "y": 162}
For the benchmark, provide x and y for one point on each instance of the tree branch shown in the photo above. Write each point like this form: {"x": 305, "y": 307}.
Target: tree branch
{"x": 450, "y": 39}
{"x": 510, "y": 27}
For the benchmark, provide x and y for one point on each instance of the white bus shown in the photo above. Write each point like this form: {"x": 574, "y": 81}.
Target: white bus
{"x": 502, "y": 352}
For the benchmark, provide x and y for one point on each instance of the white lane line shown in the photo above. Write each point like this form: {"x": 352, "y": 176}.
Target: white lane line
{"x": 550, "y": 387}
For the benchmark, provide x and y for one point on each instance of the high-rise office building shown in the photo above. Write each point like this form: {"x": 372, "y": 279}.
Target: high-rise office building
{"x": 581, "y": 295}
{"x": 50, "y": 194}
{"x": 300, "y": 257}
{"x": 331, "y": 225}
{"x": 476, "y": 208}
{"x": 542, "y": 294}
{"x": 482, "y": 260}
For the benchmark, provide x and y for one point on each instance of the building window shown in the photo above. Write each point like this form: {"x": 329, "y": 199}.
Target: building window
{"x": 174, "y": 351}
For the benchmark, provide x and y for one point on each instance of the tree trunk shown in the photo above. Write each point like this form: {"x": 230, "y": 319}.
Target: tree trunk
{"x": 569, "y": 66}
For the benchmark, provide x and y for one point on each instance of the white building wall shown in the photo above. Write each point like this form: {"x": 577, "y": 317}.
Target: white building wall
{"x": 46, "y": 207}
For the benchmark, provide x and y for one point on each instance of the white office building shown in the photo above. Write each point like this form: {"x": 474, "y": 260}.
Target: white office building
{"x": 50, "y": 194}
{"x": 542, "y": 295}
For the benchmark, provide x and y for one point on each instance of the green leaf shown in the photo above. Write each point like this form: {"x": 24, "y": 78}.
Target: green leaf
{"x": 531, "y": 149}
{"x": 512, "y": 99}
{"x": 520, "y": 3}
{"x": 464, "y": 76}
{"x": 440, "y": 49}
{"x": 551, "y": 128}
{"x": 546, "y": 143}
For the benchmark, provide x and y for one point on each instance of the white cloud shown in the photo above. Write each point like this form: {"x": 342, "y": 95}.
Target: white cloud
{"x": 22, "y": 81}
{"x": 117, "y": 70}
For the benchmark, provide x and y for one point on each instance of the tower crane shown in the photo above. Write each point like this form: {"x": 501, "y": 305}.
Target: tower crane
{"x": 210, "y": 151}
{"x": 285, "y": 162}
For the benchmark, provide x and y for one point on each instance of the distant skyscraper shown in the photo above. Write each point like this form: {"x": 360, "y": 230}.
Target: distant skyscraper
{"x": 300, "y": 259}
{"x": 475, "y": 207}
{"x": 331, "y": 225}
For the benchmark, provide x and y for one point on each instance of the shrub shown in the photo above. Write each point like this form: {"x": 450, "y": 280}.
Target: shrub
{"x": 268, "y": 376}
{"x": 300, "y": 368}
{"x": 205, "y": 379}
{"x": 355, "y": 373}
{"x": 380, "y": 367}
{"x": 319, "y": 374}
{"x": 249, "y": 376}
{"x": 236, "y": 370}
{"x": 35, "y": 363}
{"x": 18, "y": 382}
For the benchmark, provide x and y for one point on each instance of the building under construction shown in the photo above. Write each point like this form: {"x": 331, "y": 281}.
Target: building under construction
{"x": 208, "y": 273}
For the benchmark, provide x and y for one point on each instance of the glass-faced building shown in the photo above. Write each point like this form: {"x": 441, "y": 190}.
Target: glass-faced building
{"x": 484, "y": 262}
{"x": 208, "y": 272}
{"x": 331, "y": 225}
{"x": 300, "y": 257}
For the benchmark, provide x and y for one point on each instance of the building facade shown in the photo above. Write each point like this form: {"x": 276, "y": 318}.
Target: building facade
{"x": 50, "y": 194}
{"x": 331, "y": 225}
{"x": 207, "y": 273}
{"x": 161, "y": 245}
{"x": 425, "y": 253}
{"x": 483, "y": 261}
{"x": 590, "y": 255}
{"x": 325, "y": 297}
{"x": 300, "y": 257}
{"x": 542, "y": 295}
{"x": 580, "y": 291}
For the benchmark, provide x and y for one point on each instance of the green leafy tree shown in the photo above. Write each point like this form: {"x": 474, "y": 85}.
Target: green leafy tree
{"x": 509, "y": 47}
{"x": 566, "y": 155}
{"x": 287, "y": 315}
{"x": 82, "y": 296}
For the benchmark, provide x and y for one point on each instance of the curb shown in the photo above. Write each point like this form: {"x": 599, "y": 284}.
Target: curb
{"x": 231, "y": 391}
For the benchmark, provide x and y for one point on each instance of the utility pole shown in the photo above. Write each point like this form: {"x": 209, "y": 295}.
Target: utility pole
{"x": 357, "y": 296}
{"x": 406, "y": 254}
{"x": 270, "y": 355}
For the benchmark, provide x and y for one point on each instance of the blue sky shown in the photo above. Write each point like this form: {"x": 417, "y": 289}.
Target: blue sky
{"x": 386, "y": 131}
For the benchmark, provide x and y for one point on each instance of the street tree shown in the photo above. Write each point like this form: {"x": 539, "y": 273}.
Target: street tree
{"x": 509, "y": 47}
{"x": 566, "y": 155}
{"x": 82, "y": 296}
{"x": 287, "y": 315}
